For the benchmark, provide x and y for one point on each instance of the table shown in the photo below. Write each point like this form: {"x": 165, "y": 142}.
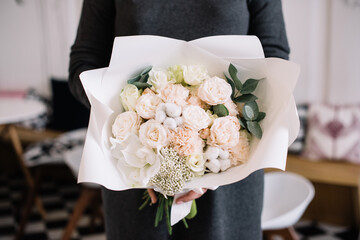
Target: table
{"x": 12, "y": 111}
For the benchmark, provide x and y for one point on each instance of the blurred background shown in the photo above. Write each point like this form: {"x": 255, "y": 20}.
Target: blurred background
{"x": 324, "y": 38}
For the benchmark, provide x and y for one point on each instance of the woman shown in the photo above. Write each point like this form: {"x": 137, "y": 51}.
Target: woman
{"x": 232, "y": 211}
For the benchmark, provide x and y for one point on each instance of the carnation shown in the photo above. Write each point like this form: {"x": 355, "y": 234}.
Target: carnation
{"x": 240, "y": 152}
{"x": 174, "y": 93}
{"x": 186, "y": 141}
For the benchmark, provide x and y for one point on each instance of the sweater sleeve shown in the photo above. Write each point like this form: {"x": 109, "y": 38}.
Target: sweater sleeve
{"x": 267, "y": 23}
{"x": 93, "y": 43}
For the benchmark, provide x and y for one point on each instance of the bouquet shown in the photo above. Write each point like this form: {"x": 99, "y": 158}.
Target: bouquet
{"x": 194, "y": 120}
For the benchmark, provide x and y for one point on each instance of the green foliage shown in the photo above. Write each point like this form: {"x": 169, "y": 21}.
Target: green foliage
{"x": 220, "y": 110}
{"x": 140, "y": 81}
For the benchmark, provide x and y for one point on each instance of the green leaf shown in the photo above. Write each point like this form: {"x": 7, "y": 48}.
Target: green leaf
{"x": 193, "y": 210}
{"x": 159, "y": 211}
{"x": 242, "y": 122}
{"x": 245, "y": 98}
{"x": 249, "y": 86}
{"x": 134, "y": 79}
{"x": 141, "y": 85}
{"x": 261, "y": 116}
{"x": 250, "y": 111}
{"x": 233, "y": 73}
{"x": 220, "y": 110}
{"x": 146, "y": 70}
{"x": 231, "y": 84}
{"x": 144, "y": 78}
{"x": 254, "y": 128}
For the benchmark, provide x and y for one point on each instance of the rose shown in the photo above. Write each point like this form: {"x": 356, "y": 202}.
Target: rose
{"x": 196, "y": 162}
{"x": 195, "y": 74}
{"x": 231, "y": 107}
{"x": 128, "y": 97}
{"x": 174, "y": 93}
{"x": 158, "y": 78}
{"x": 195, "y": 117}
{"x": 146, "y": 105}
{"x": 125, "y": 123}
{"x": 214, "y": 91}
{"x": 224, "y": 132}
{"x": 153, "y": 134}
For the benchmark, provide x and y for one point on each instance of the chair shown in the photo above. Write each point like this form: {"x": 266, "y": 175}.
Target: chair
{"x": 44, "y": 154}
{"x": 286, "y": 197}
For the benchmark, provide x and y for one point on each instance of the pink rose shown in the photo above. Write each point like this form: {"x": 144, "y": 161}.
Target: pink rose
{"x": 224, "y": 132}
{"x": 126, "y": 123}
{"x": 153, "y": 134}
{"x": 215, "y": 91}
{"x": 174, "y": 93}
{"x": 146, "y": 105}
{"x": 186, "y": 141}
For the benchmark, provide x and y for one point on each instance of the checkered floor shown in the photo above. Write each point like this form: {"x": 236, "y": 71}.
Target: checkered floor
{"x": 59, "y": 197}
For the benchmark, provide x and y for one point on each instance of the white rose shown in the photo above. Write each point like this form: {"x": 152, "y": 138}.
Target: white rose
{"x": 153, "y": 134}
{"x": 214, "y": 91}
{"x": 224, "y": 132}
{"x": 146, "y": 105}
{"x": 128, "y": 97}
{"x": 158, "y": 78}
{"x": 195, "y": 74}
{"x": 195, "y": 117}
{"x": 196, "y": 162}
{"x": 125, "y": 123}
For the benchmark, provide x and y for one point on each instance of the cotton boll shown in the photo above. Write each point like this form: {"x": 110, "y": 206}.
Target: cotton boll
{"x": 178, "y": 121}
{"x": 225, "y": 164}
{"x": 161, "y": 107}
{"x": 172, "y": 110}
{"x": 170, "y": 123}
{"x": 213, "y": 165}
{"x": 160, "y": 115}
{"x": 212, "y": 152}
{"x": 224, "y": 154}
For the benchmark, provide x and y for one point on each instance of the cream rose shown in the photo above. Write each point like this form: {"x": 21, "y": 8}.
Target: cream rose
{"x": 146, "y": 105}
{"x": 153, "y": 134}
{"x": 224, "y": 132}
{"x": 195, "y": 117}
{"x": 125, "y": 123}
{"x": 129, "y": 96}
{"x": 195, "y": 74}
{"x": 158, "y": 78}
{"x": 232, "y": 107}
{"x": 196, "y": 162}
{"x": 214, "y": 91}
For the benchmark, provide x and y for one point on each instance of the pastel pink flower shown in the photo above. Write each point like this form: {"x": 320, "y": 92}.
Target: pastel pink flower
{"x": 174, "y": 93}
{"x": 240, "y": 152}
{"x": 186, "y": 141}
{"x": 224, "y": 132}
{"x": 196, "y": 101}
{"x": 231, "y": 106}
{"x": 214, "y": 91}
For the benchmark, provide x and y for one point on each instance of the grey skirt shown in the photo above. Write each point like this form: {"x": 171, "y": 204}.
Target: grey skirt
{"x": 230, "y": 212}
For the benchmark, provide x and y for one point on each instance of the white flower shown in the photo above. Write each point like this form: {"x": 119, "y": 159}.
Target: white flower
{"x": 224, "y": 132}
{"x": 176, "y": 73}
{"x": 195, "y": 74}
{"x": 128, "y": 97}
{"x": 153, "y": 134}
{"x": 196, "y": 162}
{"x": 146, "y": 105}
{"x": 195, "y": 117}
{"x": 158, "y": 78}
{"x": 125, "y": 123}
{"x": 214, "y": 91}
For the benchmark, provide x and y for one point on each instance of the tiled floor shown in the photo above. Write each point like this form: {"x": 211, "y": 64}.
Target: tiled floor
{"x": 59, "y": 197}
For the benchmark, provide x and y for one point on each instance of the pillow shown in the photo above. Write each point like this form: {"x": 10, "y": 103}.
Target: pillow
{"x": 333, "y": 133}
{"x": 297, "y": 146}
{"x": 68, "y": 113}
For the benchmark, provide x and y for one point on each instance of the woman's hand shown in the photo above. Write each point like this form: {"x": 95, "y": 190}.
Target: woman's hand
{"x": 185, "y": 198}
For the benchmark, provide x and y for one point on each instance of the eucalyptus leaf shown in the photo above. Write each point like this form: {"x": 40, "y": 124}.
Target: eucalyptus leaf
{"x": 134, "y": 79}
{"x": 261, "y": 116}
{"x": 245, "y": 98}
{"x": 250, "y": 111}
{"x": 233, "y": 73}
{"x": 232, "y": 86}
{"x": 254, "y": 128}
{"x": 141, "y": 85}
{"x": 242, "y": 122}
{"x": 220, "y": 110}
{"x": 146, "y": 70}
{"x": 144, "y": 78}
{"x": 249, "y": 86}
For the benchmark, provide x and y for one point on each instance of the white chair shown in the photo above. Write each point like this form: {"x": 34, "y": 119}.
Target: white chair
{"x": 286, "y": 197}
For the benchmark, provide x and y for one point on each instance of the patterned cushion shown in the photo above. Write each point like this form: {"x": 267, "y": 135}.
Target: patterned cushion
{"x": 297, "y": 146}
{"x": 333, "y": 133}
{"x": 52, "y": 151}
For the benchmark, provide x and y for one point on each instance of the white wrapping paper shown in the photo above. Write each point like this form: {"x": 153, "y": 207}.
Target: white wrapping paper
{"x": 131, "y": 54}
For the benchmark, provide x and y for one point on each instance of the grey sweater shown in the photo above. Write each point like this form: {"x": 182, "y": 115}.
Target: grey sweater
{"x": 232, "y": 211}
